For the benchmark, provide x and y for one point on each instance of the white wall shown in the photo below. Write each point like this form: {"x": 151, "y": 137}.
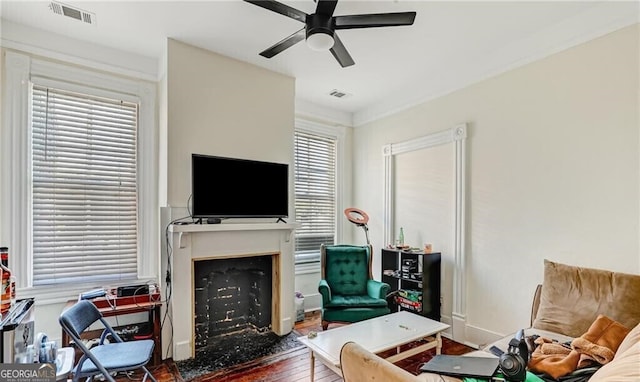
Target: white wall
{"x": 553, "y": 172}
{"x": 221, "y": 106}
{"x": 424, "y": 206}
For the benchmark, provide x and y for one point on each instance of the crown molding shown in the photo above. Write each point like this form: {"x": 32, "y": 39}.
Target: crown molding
{"x": 310, "y": 111}
{"x": 37, "y": 42}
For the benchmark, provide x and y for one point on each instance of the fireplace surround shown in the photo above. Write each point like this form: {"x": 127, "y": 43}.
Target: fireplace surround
{"x": 197, "y": 242}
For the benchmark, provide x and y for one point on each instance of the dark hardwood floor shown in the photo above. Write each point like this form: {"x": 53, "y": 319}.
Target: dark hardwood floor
{"x": 293, "y": 366}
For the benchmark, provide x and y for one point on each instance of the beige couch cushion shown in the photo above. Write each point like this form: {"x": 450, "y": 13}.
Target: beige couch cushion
{"x": 503, "y": 343}
{"x": 624, "y": 368}
{"x": 572, "y": 297}
{"x": 631, "y": 339}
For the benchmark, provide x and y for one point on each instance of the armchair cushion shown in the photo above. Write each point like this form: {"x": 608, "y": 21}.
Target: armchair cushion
{"x": 353, "y": 314}
{"x": 376, "y": 295}
{"x": 353, "y": 301}
{"x": 346, "y": 270}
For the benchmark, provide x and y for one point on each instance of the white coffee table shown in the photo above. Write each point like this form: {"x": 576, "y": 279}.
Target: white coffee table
{"x": 376, "y": 335}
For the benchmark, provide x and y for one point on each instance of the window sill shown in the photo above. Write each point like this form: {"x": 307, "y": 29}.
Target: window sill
{"x": 54, "y": 294}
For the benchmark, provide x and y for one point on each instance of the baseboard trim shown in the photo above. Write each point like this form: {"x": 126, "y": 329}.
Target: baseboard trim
{"x": 481, "y": 337}
{"x": 458, "y": 327}
{"x": 312, "y": 302}
{"x": 182, "y": 350}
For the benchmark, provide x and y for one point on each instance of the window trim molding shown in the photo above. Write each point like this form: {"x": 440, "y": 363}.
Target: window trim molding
{"x": 14, "y": 201}
{"x": 339, "y": 134}
{"x": 15, "y": 187}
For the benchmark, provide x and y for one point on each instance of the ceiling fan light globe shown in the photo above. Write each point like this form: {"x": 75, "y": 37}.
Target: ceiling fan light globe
{"x": 320, "y": 41}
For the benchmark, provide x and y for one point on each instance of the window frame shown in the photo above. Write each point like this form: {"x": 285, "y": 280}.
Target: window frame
{"x": 339, "y": 134}
{"x": 15, "y": 177}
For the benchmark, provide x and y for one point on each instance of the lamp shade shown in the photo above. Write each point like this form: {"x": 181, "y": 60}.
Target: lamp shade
{"x": 320, "y": 41}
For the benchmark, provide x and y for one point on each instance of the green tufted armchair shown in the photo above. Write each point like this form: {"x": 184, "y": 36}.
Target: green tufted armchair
{"x": 349, "y": 293}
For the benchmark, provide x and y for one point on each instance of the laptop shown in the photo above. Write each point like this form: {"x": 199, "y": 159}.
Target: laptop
{"x": 459, "y": 366}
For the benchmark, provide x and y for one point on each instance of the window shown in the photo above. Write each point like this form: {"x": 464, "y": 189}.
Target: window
{"x": 84, "y": 191}
{"x": 315, "y": 193}
{"x": 78, "y": 177}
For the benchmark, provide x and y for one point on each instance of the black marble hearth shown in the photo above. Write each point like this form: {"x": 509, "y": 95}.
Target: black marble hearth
{"x": 234, "y": 349}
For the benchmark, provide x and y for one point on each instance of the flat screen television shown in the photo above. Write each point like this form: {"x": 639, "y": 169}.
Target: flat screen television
{"x": 238, "y": 188}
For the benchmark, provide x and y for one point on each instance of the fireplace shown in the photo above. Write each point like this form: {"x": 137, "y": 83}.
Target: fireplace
{"x": 231, "y": 295}
{"x": 193, "y": 244}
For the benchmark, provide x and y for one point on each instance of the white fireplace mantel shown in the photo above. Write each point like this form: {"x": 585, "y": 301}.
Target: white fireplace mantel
{"x": 227, "y": 240}
{"x": 231, "y": 227}
{"x": 193, "y": 228}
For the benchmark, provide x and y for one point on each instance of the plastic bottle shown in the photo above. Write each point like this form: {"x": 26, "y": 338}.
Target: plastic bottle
{"x": 401, "y": 237}
{"x": 5, "y": 281}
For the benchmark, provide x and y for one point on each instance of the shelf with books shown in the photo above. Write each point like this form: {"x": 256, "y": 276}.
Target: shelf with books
{"x": 411, "y": 274}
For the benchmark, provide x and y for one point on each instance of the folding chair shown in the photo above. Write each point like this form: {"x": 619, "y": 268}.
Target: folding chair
{"x": 106, "y": 357}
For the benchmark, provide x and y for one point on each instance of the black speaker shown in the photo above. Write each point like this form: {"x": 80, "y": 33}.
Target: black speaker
{"x": 132, "y": 290}
{"x": 513, "y": 363}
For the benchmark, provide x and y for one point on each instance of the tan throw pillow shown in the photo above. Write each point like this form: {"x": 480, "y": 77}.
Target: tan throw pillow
{"x": 572, "y": 297}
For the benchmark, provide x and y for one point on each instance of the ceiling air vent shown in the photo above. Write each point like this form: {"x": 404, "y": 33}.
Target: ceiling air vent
{"x": 339, "y": 94}
{"x": 73, "y": 12}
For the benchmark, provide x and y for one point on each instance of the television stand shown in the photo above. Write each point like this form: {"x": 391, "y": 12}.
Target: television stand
{"x": 281, "y": 220}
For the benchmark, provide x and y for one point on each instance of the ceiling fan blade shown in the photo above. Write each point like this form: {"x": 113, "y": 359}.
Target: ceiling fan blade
{"x": 340, "y": 53}
{"x": 285, "y": 43}
{"x": 326, "y": 7}
{"x": 280, "y": 8}
{"x": 374, "y": 20}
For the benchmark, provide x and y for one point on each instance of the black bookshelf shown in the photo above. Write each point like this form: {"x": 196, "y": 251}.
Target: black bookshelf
{"x": 414, "y": 277}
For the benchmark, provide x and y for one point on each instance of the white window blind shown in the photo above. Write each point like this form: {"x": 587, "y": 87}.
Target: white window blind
{"x": 84, "y": 187}
{"x": 315, "y": 189}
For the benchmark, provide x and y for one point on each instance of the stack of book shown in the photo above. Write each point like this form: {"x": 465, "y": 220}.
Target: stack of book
{"x": 409, "y": 299}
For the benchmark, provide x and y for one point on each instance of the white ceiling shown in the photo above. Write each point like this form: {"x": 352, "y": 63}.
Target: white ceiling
{"x": 450, "y": 45}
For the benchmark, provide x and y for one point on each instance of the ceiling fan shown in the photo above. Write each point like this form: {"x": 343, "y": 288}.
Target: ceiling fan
{"x": 320, "y": 27}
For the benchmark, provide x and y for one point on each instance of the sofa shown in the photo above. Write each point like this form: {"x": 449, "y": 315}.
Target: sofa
{"x": 566, "y": 304}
